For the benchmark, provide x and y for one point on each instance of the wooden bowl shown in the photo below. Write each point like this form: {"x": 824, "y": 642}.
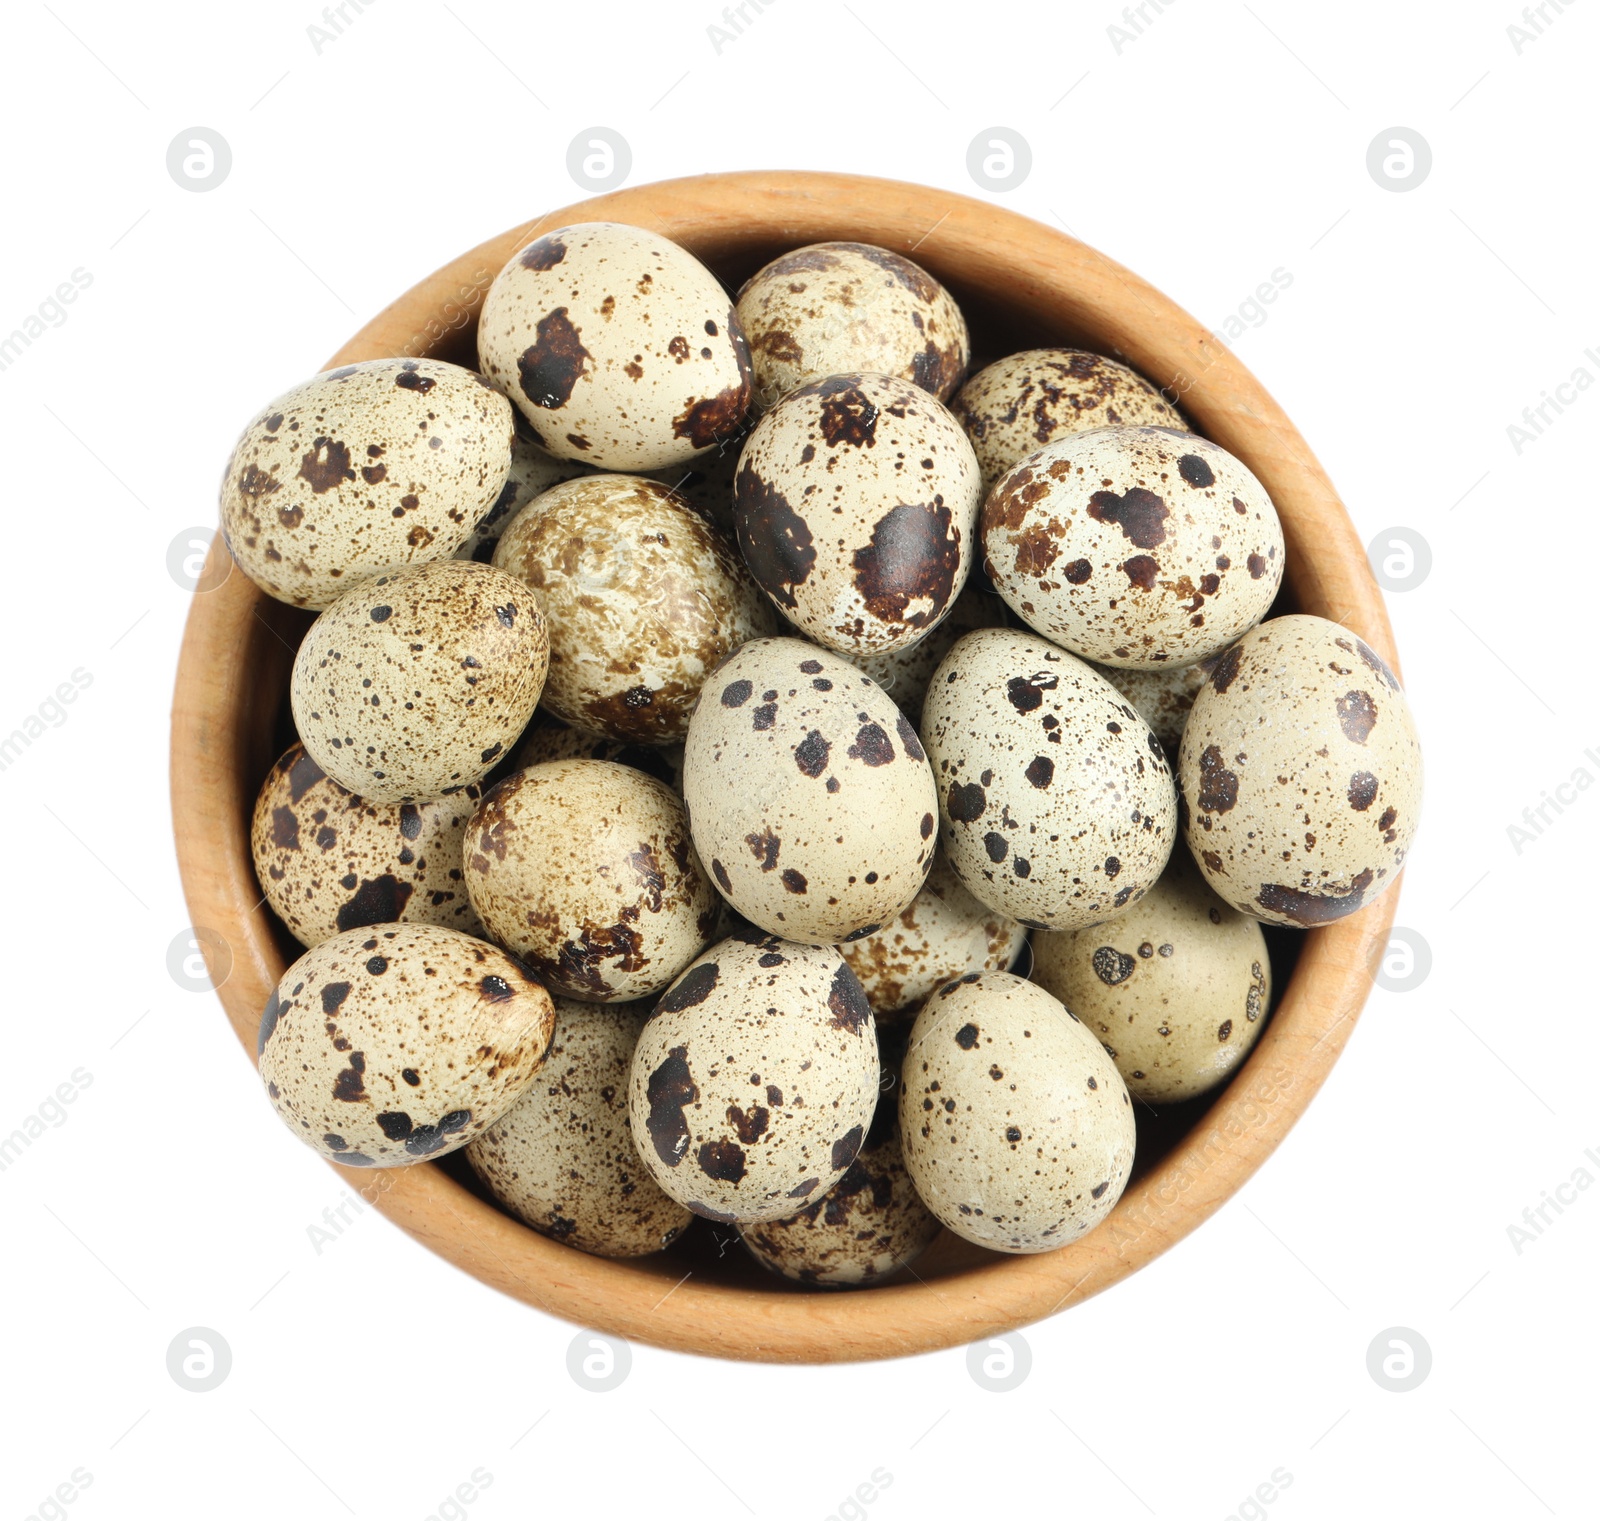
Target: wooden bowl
{"x": 1022, "y": 285}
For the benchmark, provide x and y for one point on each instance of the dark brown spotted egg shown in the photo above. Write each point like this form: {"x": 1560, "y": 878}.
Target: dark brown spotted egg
{"x": 1025, "y": 401}
{"x": 755, "y": 1079}
{"x": 1177, "y": 988}
{"x": 619, "y": 347}
{"x": 1163, "y": 695}
{"x": 413, "y": 685}
{"x": 832, "y": 307}
{"x": 584, "y": 869}
{"x": 855, "y": 505}
{"x": 562, "y": 1159}
{"x": 809, "y": 795}
{"x": 533, "y": 472}
{"x": 329, "y": 861}
{"x": 548, "y": 738}
{"x": 1134, "y": 546}
{"x": 1301, "y": 773}
{"x": 1017, "y": 1127}
{"x": 360, "y": 471}
{"x": 1057, "y": 802}
{"x": 392, "y": 1044}
{"x": 643, "y": 599}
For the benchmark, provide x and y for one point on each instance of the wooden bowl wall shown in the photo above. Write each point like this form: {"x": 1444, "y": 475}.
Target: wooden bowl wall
{"x": 1022, "y": 285}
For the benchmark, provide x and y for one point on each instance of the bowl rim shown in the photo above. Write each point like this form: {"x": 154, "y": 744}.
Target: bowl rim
{"x": 1079, "y": 295}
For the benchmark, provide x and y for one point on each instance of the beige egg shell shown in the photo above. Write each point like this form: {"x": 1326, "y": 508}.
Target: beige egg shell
{"x": 1301, "y": 773}
{"x": 942, "y": 934}
{"x": 706, "y": 484}
{"x": 620, "y": 348}
{"x": 1134, "y": 546}
{"x": 583, "y": 868}
{"x": 642, "y": 598}
{"x": 533, "y": 472}
{"x": 1018, "y": 1130}
{"x": 1018, "y": 404}
{"x": 1162, "y": 695}
{"x": 833, "y": 307}
{"x": 547, "y": 738}
{"x": 562, "y": 1159}
{"x": 855, "y": 504}
{"x": 360, "y": 471}
{"x": 392, "y": 1044}
{"x": 330, "y": 861}
{"x": 412, "y": 686}
{"x": 809, "y": 795}
{"x": 904, "y": 673}
{"x": 755, "y": 1079}
{"x": 1057, "y": 804}
{"x": 1177, "y": 988}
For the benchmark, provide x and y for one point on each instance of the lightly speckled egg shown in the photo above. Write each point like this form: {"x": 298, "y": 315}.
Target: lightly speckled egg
{"x": 330, "y": 861}
{"x": 1056, "y": 801}
{"x": 360, "y": 471}
{"x": 1134, "y": 546}
{"x": 547, "y": 738}
{"x": 809, "y": 796}
{"x": 562, "y": 1158}
{"x": 1162, "y": 695}
{"x": 755, "y": 1079}
{"x": 533, "y": 472}
{"x": 413, "y": 685}
{"x": 1177, "y": 988}
{"x": 1024, "y": 401}
{"x": 944, "y": 932}
{"x": 855, "y": 504}
{"x": 832, "y": 307}
{"x": 584, "y": 869}
{"x": 642, "y": 598}
{"x": 1018, "y": 1130}
{"x": 619, "y": 347}
{"x": 1301, "y": 773}
{"x": 392, "y": 1044}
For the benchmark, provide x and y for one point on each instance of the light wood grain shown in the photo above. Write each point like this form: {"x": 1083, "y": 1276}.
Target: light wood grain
{"x": 1022, "y": 284}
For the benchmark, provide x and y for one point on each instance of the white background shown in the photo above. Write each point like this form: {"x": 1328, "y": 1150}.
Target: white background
{"x": 1223, "y": 142}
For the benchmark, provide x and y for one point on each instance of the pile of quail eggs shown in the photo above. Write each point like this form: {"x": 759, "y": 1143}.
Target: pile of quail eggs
{"x": 741, "y": 767}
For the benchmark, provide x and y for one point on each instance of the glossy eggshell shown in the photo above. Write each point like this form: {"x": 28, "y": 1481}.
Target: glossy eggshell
{"x": 562, "y": 1159}
{"x": 810, "y": 798}
{"x": 547, "y": 738}
{"x": 832, "y": 307}
{"x": 1134, "y": 546}
{"x": 619, "y": 347}
{"x": 1162, "y": 695}
{"x": 855, "y": 505}
{"x": 1177, "y": 988}
{"x": 1018, "y": 1130}
{"x": 1056, "y": 802}
{"x": 360, "y": 471}
{"x": 1021, "y": 403}
{"x": 1301, "y": 773}
{"x": 533, "y": 472}
{"x": 642, "y": 599}
{"x": 392, "y": 1044}
{"x": 413, "y": 685}
{"x": 330, "y": 861}
{"x": 755, "y": 1079}
{"x": 583, "y": 868}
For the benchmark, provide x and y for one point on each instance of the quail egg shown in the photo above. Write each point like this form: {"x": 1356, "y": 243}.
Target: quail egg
{"x": 547, "y": 738}
{"x": 1162, "y": 695}
{"x": 904, "y": 673}
{"x": 706, "y": 484}
{"x": 533, "y": 472}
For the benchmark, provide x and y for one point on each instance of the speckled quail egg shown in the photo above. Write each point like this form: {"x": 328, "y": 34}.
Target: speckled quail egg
{"x": 869, "y": 1225}
{"x": 562, "y": 1158}
{"x": 619, "y": 347}
{"x": 944, "y": 932}
{"x": 362, "y": 470}
{"x": 329, "y": 861}
{"x": 904, "y": 673}
{"x": 533, "y": 472}
{"x": 755, "y": 1079}
{"x": 547, "y": 738}
{"x": 1301, "y": 773}
{"x": 643, "y": 598}
{"x": 706, "y": 484}
{"x": 584, "y": 869}
{"x": 414, "y": 684}
{"x": 832, "y": 307}
{"x": 1134, "y": 546}
{"x": 391, "y": 1044}
{"x": 1018, "y": 404}
{"x": 855, "y": 505}
{"x": 809, "y": 796}
{"x": 1162, "y": 695}
{"x": 1018, "y": 1130}
{"x": 1177, "y": 989}
{"x": 1056, "y": 801}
